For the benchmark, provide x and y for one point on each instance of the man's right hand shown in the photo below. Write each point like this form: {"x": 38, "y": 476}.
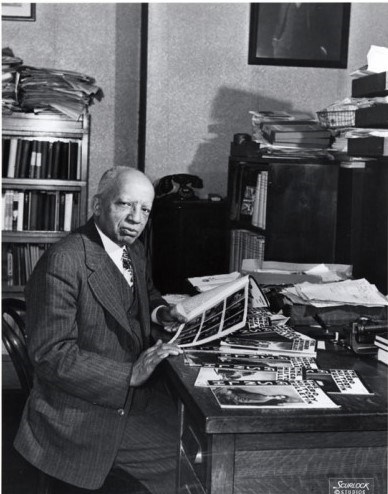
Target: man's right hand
{"x": 149, "y": 359}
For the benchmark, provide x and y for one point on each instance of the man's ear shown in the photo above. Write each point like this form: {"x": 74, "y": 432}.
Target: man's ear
{"x": 96, "y": 206}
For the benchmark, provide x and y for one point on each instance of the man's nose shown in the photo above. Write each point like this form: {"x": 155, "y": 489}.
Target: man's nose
{"x": 135, "y": 213}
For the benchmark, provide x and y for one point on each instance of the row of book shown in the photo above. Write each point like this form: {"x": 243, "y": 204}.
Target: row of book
{"x": 48, "y": 159}
{"x": 40, "y": 210}
{"x": 245, "y": 244}
{"x": 19, "y": 260}
{"x": 254, "y": 201}
{"x": 381, "y": 341}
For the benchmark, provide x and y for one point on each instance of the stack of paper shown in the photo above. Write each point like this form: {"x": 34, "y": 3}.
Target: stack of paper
{"x": 348, "y": 292}
{"x": 67, "y": 92}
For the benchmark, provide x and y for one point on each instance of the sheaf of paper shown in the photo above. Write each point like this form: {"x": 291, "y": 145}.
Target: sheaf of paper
{"x": 377, "y": 59}
{"x": 354, "y": 292}
{"x": 205, "y": 283}
{"x": 194, "y": 306}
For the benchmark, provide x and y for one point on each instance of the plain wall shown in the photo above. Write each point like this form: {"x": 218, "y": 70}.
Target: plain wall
{"x": 201, "y": 88}
{"x": 103, "y": 41}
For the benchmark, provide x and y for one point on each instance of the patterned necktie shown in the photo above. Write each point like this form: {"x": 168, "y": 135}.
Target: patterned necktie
{"x": 128, "y": 267}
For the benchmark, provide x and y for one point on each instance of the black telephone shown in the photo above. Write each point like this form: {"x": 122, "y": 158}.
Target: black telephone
{"x": 178, "y": 187}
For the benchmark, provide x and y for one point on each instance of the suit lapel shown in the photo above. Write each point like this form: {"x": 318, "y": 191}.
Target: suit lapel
{"x": 104, "y": 278}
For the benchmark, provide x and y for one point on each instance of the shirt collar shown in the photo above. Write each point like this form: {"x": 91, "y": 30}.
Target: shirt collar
{"x": 110, "y": 246}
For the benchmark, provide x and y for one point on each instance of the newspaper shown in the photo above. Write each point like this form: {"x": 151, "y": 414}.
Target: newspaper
{"x": 213, "y": 314}
{"x": 270, "y": 394}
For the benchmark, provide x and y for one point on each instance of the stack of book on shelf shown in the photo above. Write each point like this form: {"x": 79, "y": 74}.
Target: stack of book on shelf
{"x": 253, "y": 203}
{"x": 381, "y": 341}
{"x": 268, "y": 365}
{"x": 18, "y": 262}
{"x": 297, "y": 135}
{"x": 245, "y": 244}
{"x": 33, "y": 158}
{"x": 40, "y": 210}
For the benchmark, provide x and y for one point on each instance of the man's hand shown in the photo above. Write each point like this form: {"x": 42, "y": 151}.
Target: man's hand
{"x": 149, "y": 359}
{"x": 167, "y": 315}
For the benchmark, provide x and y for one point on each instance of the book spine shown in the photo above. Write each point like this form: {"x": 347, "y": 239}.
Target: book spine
{"x": 6, "y": 141}
{"x": 26, "y": 157}
{"x": 68, "y": 211}
{"x": 256, "y": 204}
{"x": 38, "y": 162}
{"x": 12, "y": 157}
{"x": 19, "y": 226}
{"x": 31, "y": 170}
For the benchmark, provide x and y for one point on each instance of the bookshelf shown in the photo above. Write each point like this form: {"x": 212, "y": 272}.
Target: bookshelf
{"x": 282, "y": 209}
{"x": 44, "y": 188}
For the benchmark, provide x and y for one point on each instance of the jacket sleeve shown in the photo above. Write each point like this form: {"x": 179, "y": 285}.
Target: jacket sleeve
{"x": 53, "y": 297}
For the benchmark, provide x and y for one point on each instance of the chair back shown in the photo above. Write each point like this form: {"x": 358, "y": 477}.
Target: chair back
{"x": 14, "y": 340}
{"x": 14, "y": 310}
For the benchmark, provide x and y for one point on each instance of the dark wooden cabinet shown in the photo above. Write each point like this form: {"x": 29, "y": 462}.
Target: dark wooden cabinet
{"x": 300, "y": 206}
{"x": 188, "y": 239}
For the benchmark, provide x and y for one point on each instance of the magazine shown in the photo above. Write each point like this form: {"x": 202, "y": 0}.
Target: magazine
{"x": 339, "y": 381}
{"x": 276, "y": 339}
{"x": 239, "y": 373}
{"x": 270, "y": 394}
{"x": 333, "y": 381}
{"x": 201, "y": 358}
{"x": 215, "y": 313}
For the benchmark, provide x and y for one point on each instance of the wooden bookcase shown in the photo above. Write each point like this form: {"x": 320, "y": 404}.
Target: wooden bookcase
{"x": 299, "y": 209}
{"x": 44, "y": 189}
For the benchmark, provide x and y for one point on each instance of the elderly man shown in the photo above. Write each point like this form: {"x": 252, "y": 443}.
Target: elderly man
{"x": 95, "y": 406}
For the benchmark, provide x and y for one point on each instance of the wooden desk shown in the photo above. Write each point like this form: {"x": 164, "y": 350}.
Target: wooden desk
{"x": 282, "y": 451}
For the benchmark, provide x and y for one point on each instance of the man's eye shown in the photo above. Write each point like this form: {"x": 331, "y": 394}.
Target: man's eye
{"x": 146, "y": 210}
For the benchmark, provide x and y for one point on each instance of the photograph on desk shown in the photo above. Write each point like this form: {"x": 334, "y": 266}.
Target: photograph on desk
{"x": 270, "y": 394}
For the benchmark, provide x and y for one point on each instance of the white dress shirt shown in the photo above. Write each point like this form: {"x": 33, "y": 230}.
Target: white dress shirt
{"x": 115, "y": 252}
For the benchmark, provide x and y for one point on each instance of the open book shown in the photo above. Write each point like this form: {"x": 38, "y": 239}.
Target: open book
{"x": 216, "y": 313}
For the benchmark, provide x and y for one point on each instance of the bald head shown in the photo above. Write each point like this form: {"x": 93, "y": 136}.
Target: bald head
{"x": 123, "y": 203}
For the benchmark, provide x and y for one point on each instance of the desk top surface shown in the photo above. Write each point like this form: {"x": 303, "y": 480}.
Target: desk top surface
{"x": 357, "y": 412}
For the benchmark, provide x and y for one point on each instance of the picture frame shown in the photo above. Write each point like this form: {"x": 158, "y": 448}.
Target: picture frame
{"x": 299, "y": 34}
{"x": 18, "y": 11}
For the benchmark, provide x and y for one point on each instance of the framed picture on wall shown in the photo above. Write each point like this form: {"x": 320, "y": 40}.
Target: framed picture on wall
{"x": 18, "y": 11}
{"x": 299, "y": 34}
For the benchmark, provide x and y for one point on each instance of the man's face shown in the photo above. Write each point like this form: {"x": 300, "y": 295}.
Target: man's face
{"x": 123, "y": 212}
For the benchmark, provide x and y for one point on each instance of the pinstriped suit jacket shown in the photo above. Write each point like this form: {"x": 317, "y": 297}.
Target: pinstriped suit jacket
{"x": 82, "y": 348}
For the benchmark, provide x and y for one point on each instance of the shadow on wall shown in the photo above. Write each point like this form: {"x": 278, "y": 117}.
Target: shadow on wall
{"x": 229, "y": 116}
